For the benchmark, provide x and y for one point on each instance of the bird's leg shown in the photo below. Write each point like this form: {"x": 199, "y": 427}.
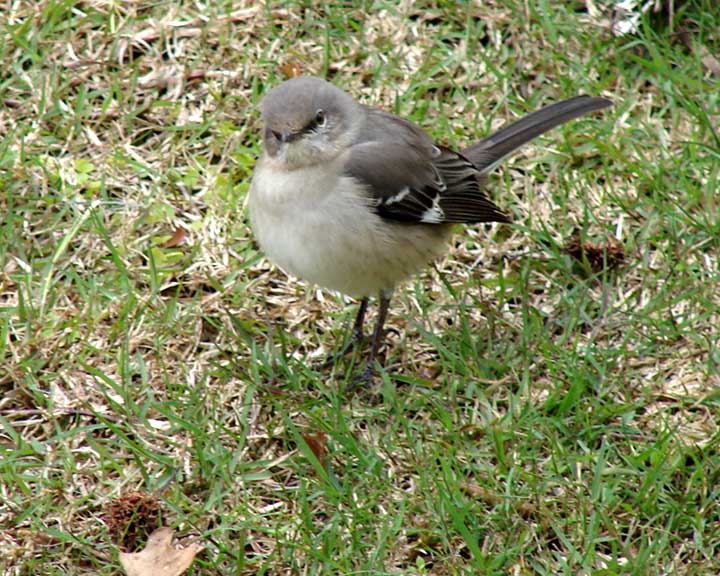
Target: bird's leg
{"x": 379, "y": 332}
{"x": 357, "y": 331}
{"x": 356, "y": 336}
{"x": 366, "y": 376}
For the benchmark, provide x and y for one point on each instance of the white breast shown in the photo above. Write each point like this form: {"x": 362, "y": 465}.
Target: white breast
{"x": 316, "y": 224}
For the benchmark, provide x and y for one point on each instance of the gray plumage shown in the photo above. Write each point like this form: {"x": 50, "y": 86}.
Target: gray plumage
{"x": 410, "y": 178}
{"x": 356, "y": 199}
{"x": 392, "y": 154}
{"x": 491, "y": 150}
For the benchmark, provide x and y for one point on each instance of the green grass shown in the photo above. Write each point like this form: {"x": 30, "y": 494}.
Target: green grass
{"x": 537, "y": 417}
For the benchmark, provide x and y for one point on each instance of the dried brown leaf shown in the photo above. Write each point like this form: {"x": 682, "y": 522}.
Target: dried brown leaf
{"x": 318, "y": 444}
{"x": 710, "y": 62}
{"x": 177, "y": 238}
{"x": 290, "y": 70}
{"x": 159, "y": 557}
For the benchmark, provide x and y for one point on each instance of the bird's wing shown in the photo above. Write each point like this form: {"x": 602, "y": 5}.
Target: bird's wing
{"x": 410, "y": 179}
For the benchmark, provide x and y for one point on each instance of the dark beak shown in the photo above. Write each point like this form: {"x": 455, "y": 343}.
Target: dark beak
{"x": 284, "y": 136}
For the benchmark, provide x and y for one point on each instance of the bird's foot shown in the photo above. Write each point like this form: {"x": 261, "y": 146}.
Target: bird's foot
{"x": 357, "y": 339}
{"x": 363, "y": 379}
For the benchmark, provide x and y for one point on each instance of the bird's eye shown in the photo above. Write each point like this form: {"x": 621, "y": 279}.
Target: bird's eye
{"x": 320, "y": 118}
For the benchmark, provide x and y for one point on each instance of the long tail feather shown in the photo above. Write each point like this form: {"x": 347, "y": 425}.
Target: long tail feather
{"x": 486, "y": 154}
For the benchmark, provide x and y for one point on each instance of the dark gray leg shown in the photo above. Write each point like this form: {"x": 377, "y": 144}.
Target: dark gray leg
{"x": 379, "y": 332}
{"x": 355, "y": 338}
{"x": 357, "y": 332}
{"x": 366, "y": 376}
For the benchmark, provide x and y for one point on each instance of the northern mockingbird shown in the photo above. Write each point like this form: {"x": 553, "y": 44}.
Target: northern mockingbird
{"x": 355, "y": 199}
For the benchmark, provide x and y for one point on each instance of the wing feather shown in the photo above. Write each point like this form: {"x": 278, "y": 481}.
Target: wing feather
{"x": 410, "y": 179}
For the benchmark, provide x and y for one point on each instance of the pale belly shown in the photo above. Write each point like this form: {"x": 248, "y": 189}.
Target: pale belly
{"x": 334, "y": 240}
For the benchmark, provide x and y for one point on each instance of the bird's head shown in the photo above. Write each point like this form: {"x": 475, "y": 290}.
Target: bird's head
{"x": 308, "y": 121}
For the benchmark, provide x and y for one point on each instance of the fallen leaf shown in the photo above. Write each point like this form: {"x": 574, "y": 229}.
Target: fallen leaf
{"x": 318, "y": 444}
{"x": 711, "y": 63}
{"x": 290, "y": 70}
{"x": 177, "y": 238}
{"x": 159, "y": 557}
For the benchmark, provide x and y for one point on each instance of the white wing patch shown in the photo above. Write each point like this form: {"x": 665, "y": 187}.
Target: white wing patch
{"x": 434, "y": 215}
{"x": 439, "y": 181}
{"x": 399, "y": 197}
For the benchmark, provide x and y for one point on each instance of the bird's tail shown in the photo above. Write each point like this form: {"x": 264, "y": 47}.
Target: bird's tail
{"x": 486, "y": 154}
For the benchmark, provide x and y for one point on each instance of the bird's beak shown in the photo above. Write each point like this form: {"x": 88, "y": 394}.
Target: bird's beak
{"x": 284, "y": 136}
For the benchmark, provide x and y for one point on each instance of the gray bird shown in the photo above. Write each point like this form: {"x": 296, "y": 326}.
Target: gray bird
{"x": 355, "y": 199}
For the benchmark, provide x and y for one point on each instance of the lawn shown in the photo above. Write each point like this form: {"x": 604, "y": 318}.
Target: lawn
{"x": 551, "y": 403}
